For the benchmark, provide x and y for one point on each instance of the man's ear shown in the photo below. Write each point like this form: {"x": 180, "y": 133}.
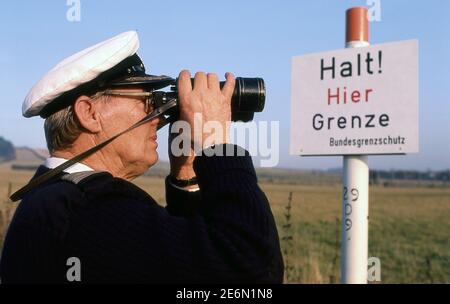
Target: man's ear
{"x": 86, "y": 112}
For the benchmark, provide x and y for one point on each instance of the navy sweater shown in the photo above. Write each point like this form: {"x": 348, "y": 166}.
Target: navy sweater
{"x": 223, "y": 233}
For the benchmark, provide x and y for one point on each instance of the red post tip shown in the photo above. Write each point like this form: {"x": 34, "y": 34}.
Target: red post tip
{"x": 357, "y": 25}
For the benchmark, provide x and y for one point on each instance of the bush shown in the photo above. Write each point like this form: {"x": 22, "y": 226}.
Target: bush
{"x": 7, "y": 151}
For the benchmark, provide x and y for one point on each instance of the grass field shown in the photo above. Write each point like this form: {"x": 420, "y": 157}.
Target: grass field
{"x": 409, "y": 227}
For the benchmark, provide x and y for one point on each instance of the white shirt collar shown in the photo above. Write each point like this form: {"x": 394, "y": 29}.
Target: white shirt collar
{"x": 53, "y": 162}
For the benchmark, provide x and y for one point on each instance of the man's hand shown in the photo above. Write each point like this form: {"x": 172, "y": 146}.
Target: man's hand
{"x": 206, "y": 103}
{"x": 203, "y": 103}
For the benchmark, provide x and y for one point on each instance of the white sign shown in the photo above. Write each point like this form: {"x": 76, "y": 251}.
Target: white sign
{"x": 356, "y": 101}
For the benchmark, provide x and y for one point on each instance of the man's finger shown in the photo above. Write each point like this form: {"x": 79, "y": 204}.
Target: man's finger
{"x": 228, "y": 88}
{"x": 184, "y": 82}
{"x": 200, "y": 82}
{"x": 213, "y": 82}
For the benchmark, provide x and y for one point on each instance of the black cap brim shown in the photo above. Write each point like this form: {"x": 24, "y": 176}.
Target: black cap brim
{"x": 152, "y": 82}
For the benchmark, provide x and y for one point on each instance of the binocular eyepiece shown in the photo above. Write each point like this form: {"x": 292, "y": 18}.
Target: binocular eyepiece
{"x": 249, "y": 96}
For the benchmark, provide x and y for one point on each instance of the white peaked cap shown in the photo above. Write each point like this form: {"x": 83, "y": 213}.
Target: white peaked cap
{"x": 84, "y": 68}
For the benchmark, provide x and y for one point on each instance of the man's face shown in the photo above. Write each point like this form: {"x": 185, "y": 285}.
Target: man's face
{"x": 136, "y": 150}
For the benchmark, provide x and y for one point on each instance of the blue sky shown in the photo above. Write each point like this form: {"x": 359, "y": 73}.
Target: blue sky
{"x": 249, "y": 38}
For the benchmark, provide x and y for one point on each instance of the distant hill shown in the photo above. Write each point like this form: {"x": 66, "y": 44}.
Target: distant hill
{"x": 30, "y": 155}
{"x": 29, "y": 159}
{"x": 25, "y": 158}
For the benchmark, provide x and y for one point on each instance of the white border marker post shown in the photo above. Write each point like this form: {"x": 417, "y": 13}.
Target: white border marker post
{"x": 355, "y": 204}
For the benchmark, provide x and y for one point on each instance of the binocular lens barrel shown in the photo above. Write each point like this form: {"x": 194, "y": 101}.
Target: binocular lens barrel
{"x": 249, "y": 95}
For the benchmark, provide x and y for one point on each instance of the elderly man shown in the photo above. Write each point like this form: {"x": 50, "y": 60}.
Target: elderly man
{"x": 217, "y": 226}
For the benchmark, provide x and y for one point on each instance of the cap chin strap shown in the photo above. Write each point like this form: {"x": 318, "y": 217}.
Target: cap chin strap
{"x": 54, "y": 172}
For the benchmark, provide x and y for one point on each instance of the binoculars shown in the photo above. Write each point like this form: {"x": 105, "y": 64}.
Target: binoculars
{"x": 248, "y": 97}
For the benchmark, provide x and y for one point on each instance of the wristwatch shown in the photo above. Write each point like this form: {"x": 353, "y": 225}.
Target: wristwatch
{"x": 183, "y": 182}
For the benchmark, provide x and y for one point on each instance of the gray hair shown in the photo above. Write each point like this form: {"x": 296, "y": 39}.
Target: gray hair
{"x": 63, "y": 128}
